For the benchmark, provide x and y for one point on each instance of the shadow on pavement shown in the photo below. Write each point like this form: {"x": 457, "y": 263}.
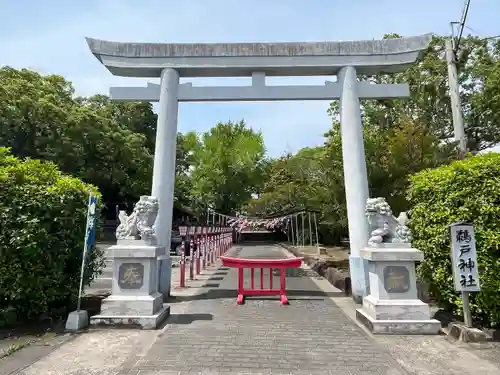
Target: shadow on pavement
{"x": 186, "y": 319}
{"x": 231, "y": 293}
{"x": 223, "y": 273}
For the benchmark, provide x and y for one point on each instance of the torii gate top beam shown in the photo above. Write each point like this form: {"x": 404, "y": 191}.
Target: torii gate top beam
{"x": 273, "y": 59}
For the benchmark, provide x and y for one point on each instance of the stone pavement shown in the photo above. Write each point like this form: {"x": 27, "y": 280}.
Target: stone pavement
{"x": 208, "y": 333}
{"x": 310, "y": 336}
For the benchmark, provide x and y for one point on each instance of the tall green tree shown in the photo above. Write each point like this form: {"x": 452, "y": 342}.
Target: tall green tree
{"x": 106, "y": 143}
{"x": 228, "y": 162}
{"x": 392, "y": 155}
{"x": 314, "y": 177}
{"x": 137, "y": 117}
{"x": 40, "y": 118}
{"x": 294, "y": 182}
{"x": 429, "y": 103}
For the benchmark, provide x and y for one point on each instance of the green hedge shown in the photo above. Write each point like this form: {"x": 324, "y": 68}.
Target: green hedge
{"x": 42, "y": 225}
{"x": 467, "y": 191}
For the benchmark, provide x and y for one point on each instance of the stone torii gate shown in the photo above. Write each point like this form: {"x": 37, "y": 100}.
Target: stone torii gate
{"x": 257, "y": 60}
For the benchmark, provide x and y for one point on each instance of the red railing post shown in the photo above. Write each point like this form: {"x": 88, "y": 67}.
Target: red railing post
{"x": 270, "y": 264}
{"x": 224, "y": 236}
{"x": 191, "y": 260}
{"x": 241, "y": 290}
{"x": 227, "y": 239}
{"x": 214, "y": 236}
{"x": 218, "y": 242}
{"x": 212, "y": 248}
{"x": 183, "y": 266}
{"x": 216, "y": 248}
{"x": 222, "y": 242}
{"x": 209, "y": 248}
{"x": 204, "y": 246}
{"x": 284, "y": 300}
{"x": 198, "y": 252}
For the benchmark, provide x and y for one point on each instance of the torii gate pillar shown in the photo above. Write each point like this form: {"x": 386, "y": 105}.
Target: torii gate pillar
{"x": 165, "y": 154}
{"x": 164, "y": 171}
{"x": 355, "y": 179}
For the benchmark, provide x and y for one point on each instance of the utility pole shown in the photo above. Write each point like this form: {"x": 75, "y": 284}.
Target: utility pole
{"x": 458, "y": 121}
{"x": 456, "y": 106}
{"x": 454, "y": 89}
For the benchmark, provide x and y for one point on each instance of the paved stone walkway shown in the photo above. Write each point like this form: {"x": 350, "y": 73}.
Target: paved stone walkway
{"x": 310, "y": 336}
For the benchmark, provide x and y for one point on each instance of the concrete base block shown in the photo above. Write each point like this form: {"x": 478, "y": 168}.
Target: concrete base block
{"x": 77, "y": 320}
{"x": 131, "y": 321}
{"x": 467, "y": 334}
{"x": 398, "y": 327}
{"x": 132, "y": 305}
{"x": 396, "y": 309}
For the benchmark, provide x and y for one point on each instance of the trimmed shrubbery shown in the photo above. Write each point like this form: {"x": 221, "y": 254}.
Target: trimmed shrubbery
{"x": 42, "y": 225}
{"x": 466, "y": 191}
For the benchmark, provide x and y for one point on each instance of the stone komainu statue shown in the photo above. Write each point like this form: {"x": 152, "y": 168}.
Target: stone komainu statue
{"x": 384, "y": 227}
{"x": 139, "y": 224}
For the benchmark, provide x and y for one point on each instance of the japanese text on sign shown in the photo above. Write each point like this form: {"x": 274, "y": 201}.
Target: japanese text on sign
{"x": 464, "y": 258}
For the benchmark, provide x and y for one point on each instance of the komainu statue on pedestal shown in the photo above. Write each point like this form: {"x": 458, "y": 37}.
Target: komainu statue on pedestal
{"x": 384, "y": 227}
{"x": 139, "y": 224}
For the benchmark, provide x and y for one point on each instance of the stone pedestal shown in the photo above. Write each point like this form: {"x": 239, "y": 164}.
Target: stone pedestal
{"x": 135, "y": 300}
{"x": 393, "y": 307}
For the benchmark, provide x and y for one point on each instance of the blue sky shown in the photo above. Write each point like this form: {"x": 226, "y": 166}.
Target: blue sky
{"x": 49, "y": 38}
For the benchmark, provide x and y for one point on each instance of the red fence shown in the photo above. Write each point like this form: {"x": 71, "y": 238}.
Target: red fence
{"x": 270, "y": 264}
{"x": 211, "y": 243}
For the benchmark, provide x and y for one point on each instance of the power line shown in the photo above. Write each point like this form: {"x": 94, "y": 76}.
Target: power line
{"x": 480, "y": 35}
{"x": 461, "y": 23}
{"x": 492, "y": 37}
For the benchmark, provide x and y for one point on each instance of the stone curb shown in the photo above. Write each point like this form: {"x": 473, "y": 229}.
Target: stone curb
{"x": 460, "y": 332}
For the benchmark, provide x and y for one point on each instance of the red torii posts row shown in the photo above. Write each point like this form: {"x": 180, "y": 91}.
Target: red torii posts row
{"x": 206, "y": 245}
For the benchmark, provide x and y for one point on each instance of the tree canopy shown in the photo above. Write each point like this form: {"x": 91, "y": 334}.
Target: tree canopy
{"x": 228, "y": 165}
{"x": 109, "y": 144}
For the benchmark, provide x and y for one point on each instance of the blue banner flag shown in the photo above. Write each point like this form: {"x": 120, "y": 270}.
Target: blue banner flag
{"x": 89, "y": 239}
{"x": 91, "y": 222}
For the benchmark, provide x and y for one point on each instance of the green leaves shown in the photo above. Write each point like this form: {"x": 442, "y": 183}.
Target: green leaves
{"x": 314, "y": 177}
{"x": 429, "y": 103}
{"x": 42, "y": 225}
{"x": 228, "y": 164}
{"x": 104, "y": 143}
{"x": 467, "y": 191}
{"x": 109, "y": 144}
